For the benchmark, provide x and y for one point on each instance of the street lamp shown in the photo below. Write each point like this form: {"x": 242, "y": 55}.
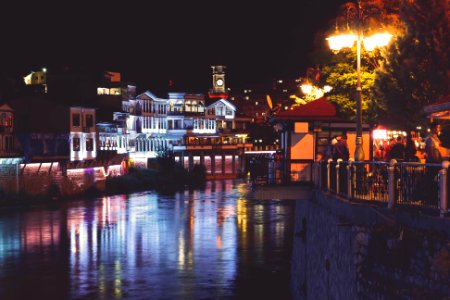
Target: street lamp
{"x": 306, "y": 88}
{"x": 336, "y": 43}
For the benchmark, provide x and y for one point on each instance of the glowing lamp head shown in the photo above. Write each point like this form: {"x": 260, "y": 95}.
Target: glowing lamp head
{"x": 327, "y": 89}
{"x": 369, "y": 43}
{"x": 382, "y": 39}
{"x": 337, "y": 42}
{"x": 377, "y": 40}
{"x": 306, "y": 88}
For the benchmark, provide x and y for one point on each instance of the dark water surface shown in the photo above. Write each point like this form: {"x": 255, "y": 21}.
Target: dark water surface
{"x": 217, "y": 243}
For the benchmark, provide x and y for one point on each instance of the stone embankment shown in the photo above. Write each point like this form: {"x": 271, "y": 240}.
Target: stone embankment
{"x": 345, "y": 250}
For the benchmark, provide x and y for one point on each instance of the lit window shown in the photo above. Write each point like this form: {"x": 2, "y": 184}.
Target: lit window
{"x": 76, "y": 144}
{"x": 89, "y": 144}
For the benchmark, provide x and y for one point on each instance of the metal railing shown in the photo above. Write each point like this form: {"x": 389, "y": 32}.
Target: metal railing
{"x": 402, "y": 184}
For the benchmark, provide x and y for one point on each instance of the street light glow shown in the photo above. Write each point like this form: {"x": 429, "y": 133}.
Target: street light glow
{"x": 327, "y": 88}
{"x": 337, "y": 42}
{"x": 306, "y": 88}
{"x": 382, "y": 39}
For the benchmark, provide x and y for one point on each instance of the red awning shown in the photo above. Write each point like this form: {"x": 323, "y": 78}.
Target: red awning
{"x": 319, "y": 109}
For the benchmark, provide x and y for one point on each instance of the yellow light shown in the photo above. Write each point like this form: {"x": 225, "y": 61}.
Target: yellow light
{"x": 377, "y": 40}
{"x": 337, "y": 42}
{"x": 379, "y": 134}
{"x": 327, "y": 89}
{"x": 306, "y": 88}
{"x": 370, "y": 43}
{"x": 382, "y": 39}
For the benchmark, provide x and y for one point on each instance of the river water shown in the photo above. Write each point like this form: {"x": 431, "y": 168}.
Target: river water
{"x": 215, "y": 243}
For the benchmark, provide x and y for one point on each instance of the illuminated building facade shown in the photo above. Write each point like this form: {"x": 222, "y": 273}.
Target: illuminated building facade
{"x": 37, "y": 80}
{"x": 197, "y": 129}
{"x": 7, "y": 145}
{"x": 197, "y": 133}
{"x": 38, "y": 77}
{"x": 83, "y": 141}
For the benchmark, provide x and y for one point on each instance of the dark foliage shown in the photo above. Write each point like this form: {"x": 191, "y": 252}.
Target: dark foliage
{"x": 415, "y": 74}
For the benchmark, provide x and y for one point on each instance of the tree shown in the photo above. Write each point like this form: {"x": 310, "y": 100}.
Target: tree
{"x": 339, "y": 72}
{"x": 416, "y": 71}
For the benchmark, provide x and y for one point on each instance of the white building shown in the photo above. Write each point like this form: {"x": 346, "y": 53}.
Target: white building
{"x": 83, "y": 143}
{"x": 185, "y": 124}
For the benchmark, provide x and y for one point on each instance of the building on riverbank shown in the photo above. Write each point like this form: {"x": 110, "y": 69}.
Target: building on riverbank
{"x": 66, "y": 139}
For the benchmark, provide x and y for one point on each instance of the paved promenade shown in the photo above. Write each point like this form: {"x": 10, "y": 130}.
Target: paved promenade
{"x": 282, "y": 192}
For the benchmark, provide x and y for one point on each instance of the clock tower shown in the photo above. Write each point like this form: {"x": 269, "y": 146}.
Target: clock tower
{"x": 218, "y": 82}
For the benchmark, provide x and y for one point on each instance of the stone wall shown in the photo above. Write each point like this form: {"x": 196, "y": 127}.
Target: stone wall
{"x": 345, "y": 250}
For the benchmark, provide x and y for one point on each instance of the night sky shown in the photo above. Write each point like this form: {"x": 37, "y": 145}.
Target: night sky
{"x": 150, "y": 42}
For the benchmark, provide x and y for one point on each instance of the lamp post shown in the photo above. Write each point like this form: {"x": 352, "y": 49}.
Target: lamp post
{"x": 336, "y": 43}
{"x": 359, "y": 151}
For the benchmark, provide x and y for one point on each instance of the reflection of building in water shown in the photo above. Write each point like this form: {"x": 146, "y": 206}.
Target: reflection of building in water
{"x": 41, "y": 231}
{"x": 241, "y": 216}
{"x": 121, "y": 236}
{"x": 121, "y": 246}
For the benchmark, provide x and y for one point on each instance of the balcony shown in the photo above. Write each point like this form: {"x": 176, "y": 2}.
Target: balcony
{"x": 185, "y": 113}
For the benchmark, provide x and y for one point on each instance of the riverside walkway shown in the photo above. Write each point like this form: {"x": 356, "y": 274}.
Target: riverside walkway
{"x": 409, "y": 185}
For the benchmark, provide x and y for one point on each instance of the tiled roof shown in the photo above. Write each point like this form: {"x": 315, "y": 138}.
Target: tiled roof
{"x": 319, "y": 109}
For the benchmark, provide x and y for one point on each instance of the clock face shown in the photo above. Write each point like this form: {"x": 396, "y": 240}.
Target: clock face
{"x": 219, "y": 82}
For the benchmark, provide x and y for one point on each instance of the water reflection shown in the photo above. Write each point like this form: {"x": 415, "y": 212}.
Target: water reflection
{"x": 215, "y": 243}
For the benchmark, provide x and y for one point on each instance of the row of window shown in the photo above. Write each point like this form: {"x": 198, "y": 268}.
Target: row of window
{"x": 151, "y": 107}
{"x": 221, "y": 111}
{"x": 146, "y": 106}
{"x": 151, "y": 145}
{"x": 88, "y": 120}
{"x": 204, "y": 124}
{"x": 187, "y": 108}
{"x": 109, "y": 91}
{"x": 154, "y": 123}
{"x": 110, "y": 141}
{"x": 213, "y": 141}
{"x": 76, "y": 144}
